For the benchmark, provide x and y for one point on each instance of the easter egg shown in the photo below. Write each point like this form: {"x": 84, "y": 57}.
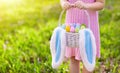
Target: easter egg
{"x": 77, "y": 26}
{"x": 63, "y": 26}
{"x": 72, "y": 29}
{"x": 67, "y": 28}
{"x": 83, "y": 26}
{"x": 74, "y": 25}
{"x": 76, "y": 29}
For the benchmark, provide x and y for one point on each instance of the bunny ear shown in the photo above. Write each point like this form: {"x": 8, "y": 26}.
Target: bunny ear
{"x": 57, "y": 47}
{"x": 87, "y": 48}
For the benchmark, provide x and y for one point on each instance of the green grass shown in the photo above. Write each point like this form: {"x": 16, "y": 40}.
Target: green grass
{"x": 26, "y": 28}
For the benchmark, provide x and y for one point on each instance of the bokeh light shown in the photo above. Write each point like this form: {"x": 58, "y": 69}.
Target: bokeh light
{"x": 9, "y": 1}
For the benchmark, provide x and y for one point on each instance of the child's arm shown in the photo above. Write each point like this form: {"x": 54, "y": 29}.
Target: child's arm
{"x": 98, "y": 5}
{"x": 65, "y": 4}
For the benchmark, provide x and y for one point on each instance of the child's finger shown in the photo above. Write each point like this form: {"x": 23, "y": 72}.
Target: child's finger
{"x": 67, "y": 6}
{"x": 79, "y": 5}
{"x": 72, "y": 5}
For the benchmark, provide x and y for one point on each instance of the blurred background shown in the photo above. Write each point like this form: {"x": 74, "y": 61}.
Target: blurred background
{"x": 26, "y": 27}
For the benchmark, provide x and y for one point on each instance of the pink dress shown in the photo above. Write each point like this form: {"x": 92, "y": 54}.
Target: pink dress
{"x": 75, "y": 15}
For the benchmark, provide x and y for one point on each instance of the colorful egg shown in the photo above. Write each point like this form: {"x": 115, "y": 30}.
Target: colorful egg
{"x": 67, "y": 28}
{"x": 77, "y": 29}
{"x": 74, "y": 25}
{"x": 83, "y": 26}
{"x": 63, "y": 26}
{"x": 72, "y": 29}
{"x": 77, "y": 26}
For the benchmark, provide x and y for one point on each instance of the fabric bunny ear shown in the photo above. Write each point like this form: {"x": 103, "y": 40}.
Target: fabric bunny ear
{"x": 87, "y": 46}
{"x": 57, "y": 47}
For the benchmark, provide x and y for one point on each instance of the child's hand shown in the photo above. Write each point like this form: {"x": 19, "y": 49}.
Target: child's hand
{"x": 80, "y": 5}
{"x": 66, "y": 5}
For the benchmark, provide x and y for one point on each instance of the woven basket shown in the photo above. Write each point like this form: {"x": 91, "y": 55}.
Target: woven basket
{"x": 72, "y": 39}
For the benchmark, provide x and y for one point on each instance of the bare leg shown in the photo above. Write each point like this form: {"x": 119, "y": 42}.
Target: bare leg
{"x": 85, "y": 71}
{"x": 74, "y": 65}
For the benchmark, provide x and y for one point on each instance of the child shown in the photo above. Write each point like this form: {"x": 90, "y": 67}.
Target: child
{"x": 75, "y": 14}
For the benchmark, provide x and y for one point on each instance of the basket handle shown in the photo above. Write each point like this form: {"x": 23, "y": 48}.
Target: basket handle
{"x": 61, "y": 14}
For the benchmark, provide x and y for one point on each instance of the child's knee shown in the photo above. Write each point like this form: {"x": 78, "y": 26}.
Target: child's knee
{"x": 74, "y": 61}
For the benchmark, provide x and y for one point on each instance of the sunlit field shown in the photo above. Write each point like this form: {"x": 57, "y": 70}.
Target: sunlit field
{"x": 26, "y": 27}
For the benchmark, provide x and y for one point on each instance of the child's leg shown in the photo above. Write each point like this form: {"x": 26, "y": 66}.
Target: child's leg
{"x": 85, "y": 71}
{"x": 74, "y": 65}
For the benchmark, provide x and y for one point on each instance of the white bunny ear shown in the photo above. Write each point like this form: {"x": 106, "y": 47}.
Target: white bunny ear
{"x": 57, "y": 45}
{"x": 87, "y": 47}
{"x": 52, "y": 45}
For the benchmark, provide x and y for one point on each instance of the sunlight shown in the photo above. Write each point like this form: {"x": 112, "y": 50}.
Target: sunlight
{"x": 9, "y": 1}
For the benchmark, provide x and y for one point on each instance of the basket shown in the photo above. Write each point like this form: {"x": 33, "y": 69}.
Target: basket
{"x": 72, "y": 39}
